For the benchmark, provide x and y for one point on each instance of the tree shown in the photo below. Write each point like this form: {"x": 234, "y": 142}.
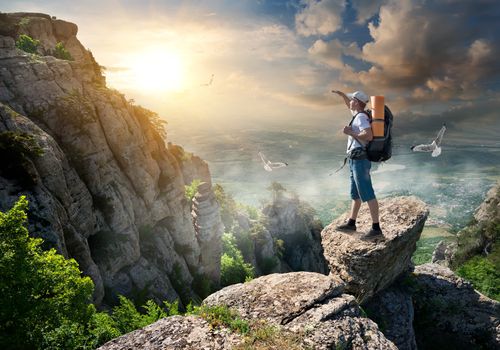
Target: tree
{"x": 44, "y": 302}
{"x": 277, "y": 190}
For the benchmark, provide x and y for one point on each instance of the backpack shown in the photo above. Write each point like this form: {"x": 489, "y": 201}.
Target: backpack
{"x": 380, "y": 148}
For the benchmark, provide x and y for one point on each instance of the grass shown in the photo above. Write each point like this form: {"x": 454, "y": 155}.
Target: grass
{"x": 484, "y": 272}
{"x": 428, "y": 241}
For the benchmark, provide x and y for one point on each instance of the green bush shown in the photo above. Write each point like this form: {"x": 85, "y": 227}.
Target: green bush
{"x": 190, "y": 191}
{"x": 227, "y": 206}
{"x": 45, "y": 301}
{"x": 483, "y": 274}
{"x": 61, "y": 52}
{"x": 221, "y": 315}
{"x": 27, "y": 43}
{"x": 233, "y": 267}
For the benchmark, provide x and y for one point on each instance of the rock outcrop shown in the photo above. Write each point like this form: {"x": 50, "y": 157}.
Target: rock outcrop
{"x": 293, "y": 222}
{"x": 310, "y": 305}
{"x": 209, "y": 229}
{"x": 106, "y": 191}
{"x": 449, "y": 313}
{"x": 369, "y": 266}
{"x": 177, "y": 333}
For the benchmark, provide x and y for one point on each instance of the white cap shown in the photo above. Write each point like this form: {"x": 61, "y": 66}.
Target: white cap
{"x": 359, "y": 95}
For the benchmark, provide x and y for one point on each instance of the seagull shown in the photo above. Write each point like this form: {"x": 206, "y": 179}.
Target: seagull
{"x": 268, "y": 165}
{"x": 434, "y": 147}
{"x": 210, "y": 82}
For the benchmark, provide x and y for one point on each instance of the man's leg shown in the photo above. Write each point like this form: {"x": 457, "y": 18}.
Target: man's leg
{"x": 373, "y": 205}
{"x": 356, "y": 204}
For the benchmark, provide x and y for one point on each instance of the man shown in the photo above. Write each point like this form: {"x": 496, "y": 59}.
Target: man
{"x": 359, "y": 134}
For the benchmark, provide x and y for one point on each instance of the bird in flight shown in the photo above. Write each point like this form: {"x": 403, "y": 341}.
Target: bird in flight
{"x": 434, "y": 147}
{"x": 268, "y": 165}
{"x": 210, "y": 82}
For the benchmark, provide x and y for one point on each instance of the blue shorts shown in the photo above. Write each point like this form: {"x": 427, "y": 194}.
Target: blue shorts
{"x": 361, "y": 182}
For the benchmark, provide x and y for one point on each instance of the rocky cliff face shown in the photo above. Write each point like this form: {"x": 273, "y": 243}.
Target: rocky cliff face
{"x": 292, "y": 221}
{"x": 106, "y": 191}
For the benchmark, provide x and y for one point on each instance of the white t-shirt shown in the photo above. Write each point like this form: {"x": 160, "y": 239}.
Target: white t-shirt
{"x": 360, "y": 122}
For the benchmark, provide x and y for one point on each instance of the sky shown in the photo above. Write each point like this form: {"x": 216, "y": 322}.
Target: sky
{"x": 272, "y": 64}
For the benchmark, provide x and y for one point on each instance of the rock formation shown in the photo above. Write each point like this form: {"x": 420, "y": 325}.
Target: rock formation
{"x": 176, "y": 333}
{"x": 106, "y": 191}
{"x": 308, "y": 304}
{"x": 368, "y": 266}
{"x": 449, "y": 313}
{"x": 292, "y": 221}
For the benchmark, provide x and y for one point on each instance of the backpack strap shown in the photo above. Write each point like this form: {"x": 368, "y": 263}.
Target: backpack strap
{"x": 350, "y": 144}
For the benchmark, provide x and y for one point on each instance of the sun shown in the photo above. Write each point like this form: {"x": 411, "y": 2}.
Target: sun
{"x": 158, "y": 71}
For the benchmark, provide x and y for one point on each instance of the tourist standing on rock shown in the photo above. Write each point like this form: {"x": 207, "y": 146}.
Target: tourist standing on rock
{"x": 359, "y": 134}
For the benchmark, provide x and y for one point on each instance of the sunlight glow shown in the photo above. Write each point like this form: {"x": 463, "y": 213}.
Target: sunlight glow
{"x": 158, "y": 71}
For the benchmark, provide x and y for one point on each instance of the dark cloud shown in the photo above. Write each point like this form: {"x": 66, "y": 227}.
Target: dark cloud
{"x": 472, "y": 118}
{"x": 424, "y": 50}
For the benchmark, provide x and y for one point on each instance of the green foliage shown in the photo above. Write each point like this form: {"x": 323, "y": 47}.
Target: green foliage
{"x": 179, "y": 283}
{"x": 190, "y": 191}
{"x": 45, "y": 301}
{"x": 102, "y": 328}
{"x": 201, "y": 285}
{"x": 263, "y": 336}
{"x": 425, "y": 248}
{"x": 227, "y": 204}
{"x": 483, "y": 274}
{"x": 16, "y": 151}
{"x": 245, "y": 244}
{"x": 268, "y": 264}
{"x": 221, "y": 315}
{"x": 27, "y": 43}
{"x": 233, "y": 267}
{"x": 126, "y": 318}
{"x": 279, "y": 245}
{"x": 61, "y": 52}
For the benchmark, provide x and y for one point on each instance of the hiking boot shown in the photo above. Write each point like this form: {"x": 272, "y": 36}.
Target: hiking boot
{"x": 373, "y": 233}
{"x": 346, "y": 227}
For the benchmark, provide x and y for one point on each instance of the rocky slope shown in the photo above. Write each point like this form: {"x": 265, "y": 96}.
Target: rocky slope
{"x": 106, "y": 191}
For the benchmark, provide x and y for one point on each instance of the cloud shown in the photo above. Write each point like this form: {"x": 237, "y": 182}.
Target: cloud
{"x": 366, "y": 9}
{"x": 319, "y": 17}
{"x": 330, "y": 53}
{"x": 414, "y": 49}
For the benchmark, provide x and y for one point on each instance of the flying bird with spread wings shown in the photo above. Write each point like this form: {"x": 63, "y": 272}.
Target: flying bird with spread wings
{"x": 434, "y": 147}
{"x": 268, "y": 165}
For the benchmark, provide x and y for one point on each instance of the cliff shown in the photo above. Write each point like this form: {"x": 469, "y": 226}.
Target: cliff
{"x": 105, "y": 188}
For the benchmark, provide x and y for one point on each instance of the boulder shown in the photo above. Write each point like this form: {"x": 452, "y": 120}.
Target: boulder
{"x": 176, "y": 333}
{"x": 449, "y": 313}
{"x": 368, "y": 266}
{"x": 309, "y": 304}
